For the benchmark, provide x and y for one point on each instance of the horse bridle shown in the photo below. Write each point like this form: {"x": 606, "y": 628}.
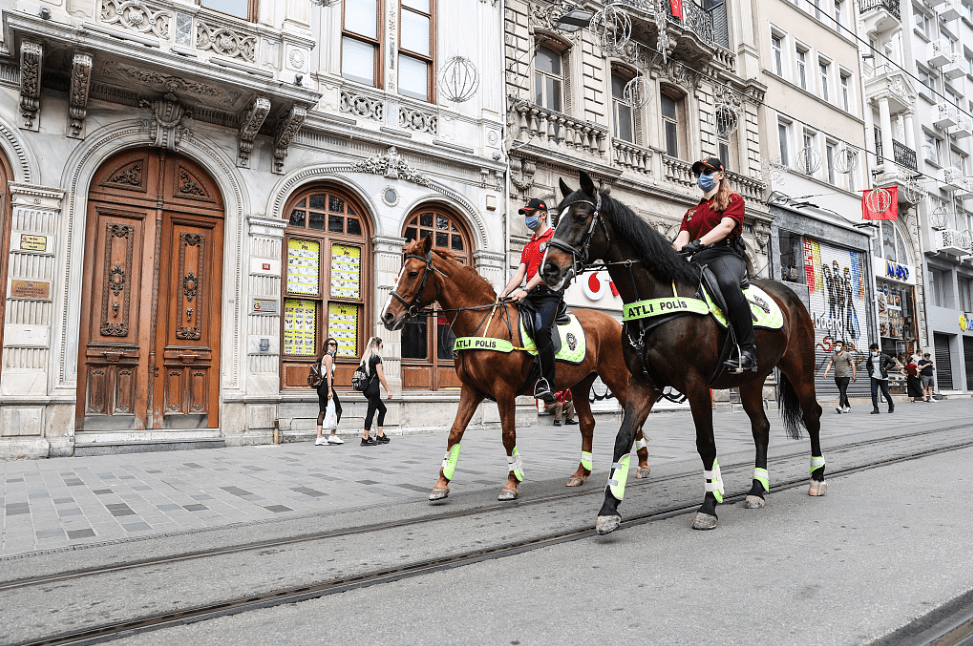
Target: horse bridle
{"x": 412, "y": 309}
{"x": 579, "y": 256}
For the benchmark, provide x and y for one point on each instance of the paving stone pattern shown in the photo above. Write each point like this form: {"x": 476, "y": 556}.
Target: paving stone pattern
{"x": 53, "y": 504}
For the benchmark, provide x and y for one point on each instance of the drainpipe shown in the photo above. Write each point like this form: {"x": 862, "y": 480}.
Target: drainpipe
{"x": 506, "y": 132}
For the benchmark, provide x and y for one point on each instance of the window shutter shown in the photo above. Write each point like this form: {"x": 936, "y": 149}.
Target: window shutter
{"x": 566, "y": 78}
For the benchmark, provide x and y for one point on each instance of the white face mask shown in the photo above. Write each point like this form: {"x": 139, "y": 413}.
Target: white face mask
{"x": 838, "y": 348}
{"x": 875, "y": 353}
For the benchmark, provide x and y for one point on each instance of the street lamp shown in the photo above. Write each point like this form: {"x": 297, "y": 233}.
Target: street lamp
{"x": 574, "y": 20}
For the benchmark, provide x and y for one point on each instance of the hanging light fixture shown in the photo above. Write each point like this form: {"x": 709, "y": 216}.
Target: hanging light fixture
{"x": 574, "y": 20}
{"x": 458, "y": 79}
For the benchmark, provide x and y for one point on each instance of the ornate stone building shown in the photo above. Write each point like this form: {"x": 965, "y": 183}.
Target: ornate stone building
{"x": 195, "y": 193}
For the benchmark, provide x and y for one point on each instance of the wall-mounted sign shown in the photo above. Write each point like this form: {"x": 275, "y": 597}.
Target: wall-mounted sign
{"x": 30, "y": 289}
{"x": 890, "y": 270}
{"x": 898, "y": 272}
{"x": 264, "y": 306}
{"x": 964, "y": 322}
{"x": 33, "y": 243}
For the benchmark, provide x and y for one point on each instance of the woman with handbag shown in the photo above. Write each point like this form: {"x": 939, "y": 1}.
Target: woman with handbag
{"x": 371, "y": 361}
{"x": 326, "y": 394}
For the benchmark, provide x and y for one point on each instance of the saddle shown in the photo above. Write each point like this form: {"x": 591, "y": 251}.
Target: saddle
{"x": 529, "y": 319}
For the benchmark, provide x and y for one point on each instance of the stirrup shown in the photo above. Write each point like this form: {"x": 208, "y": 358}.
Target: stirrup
{"x": 542, "y": 390}
{"x": 738, "y": 365}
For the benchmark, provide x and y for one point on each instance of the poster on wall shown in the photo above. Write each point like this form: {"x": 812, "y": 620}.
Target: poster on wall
{"x": 343, "y": 327}
{"x": 836, "y": 280}
{"x": 345, "y": 271}
{"x": 303, "y": 266}
{"x": 300, "y": 325}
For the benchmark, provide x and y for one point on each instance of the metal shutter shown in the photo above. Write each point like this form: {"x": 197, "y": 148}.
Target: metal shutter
{"x": 968, "y": 360}
{"x": 944, "y": 369}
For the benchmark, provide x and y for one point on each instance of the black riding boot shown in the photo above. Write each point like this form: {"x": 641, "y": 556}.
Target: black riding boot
{"x": 741, "y": 319}
{"x": 544, "y": 388}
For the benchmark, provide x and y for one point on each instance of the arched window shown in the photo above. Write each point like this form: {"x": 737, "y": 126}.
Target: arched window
{"x": 325, "y": 282}
{"x": 427, "y": 362}
{"x": 893, "y": 244}
{"x": 627, "y": 120}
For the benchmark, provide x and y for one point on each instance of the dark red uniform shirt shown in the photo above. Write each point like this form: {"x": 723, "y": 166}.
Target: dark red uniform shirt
{"x": 702, "y": 219}
{"x": 533, "y": 253}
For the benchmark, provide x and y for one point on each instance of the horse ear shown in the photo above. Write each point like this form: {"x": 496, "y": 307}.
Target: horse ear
{"x": 425, "y": 245}
{"x": 587, "y": 185}
{"x": 565, "y": 189}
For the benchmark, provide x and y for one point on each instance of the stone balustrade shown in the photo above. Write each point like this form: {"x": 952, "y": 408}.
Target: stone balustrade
{"x": 558, "y": 131}
{"x": 748, "y": 187}
{"x": 631, "y": 157}
{"x": 678, "y": 171}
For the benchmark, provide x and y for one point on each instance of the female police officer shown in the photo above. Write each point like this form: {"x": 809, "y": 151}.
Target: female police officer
{"x": 715, "y": 226}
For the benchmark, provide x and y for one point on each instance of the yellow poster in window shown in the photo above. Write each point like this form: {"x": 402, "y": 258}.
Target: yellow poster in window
{"x": 300, "y": 327}
{"x": 303, "y": 267}
{"x": 343, "y": 327}
{"x": 345, "y": 271}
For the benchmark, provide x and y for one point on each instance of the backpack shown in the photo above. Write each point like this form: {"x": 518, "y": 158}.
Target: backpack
{"x": 315, "y": 378}
{"x": 360, "y": 379}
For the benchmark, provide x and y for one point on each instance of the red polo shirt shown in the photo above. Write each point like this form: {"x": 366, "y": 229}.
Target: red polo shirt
{"x": 533, "y": 253}
{"x": 702, "y": 219}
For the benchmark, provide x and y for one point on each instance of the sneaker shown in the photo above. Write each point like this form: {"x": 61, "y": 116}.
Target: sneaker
{"x": 839, "y": 409}
{"x": 570, "y": 422}
{"x": 557, "y": 423}
{"x": 334, "y": 439}
{"x": 383, "y": 439}
{"x": 891, "y": 408}
{"x": 321, "y": 441}
{"x": 369, "y": 442}
{"x": 847, "y": 409}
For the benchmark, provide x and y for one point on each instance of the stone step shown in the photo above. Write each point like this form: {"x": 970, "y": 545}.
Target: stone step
{"x": 143, "y": 440}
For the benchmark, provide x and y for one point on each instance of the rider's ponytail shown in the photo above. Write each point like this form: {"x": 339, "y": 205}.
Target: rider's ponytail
{"x": 723, "y": 194}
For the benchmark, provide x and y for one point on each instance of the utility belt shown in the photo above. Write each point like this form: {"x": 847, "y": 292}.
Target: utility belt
{"x": 733, "y": 243}
{"x": 544, "y": 289}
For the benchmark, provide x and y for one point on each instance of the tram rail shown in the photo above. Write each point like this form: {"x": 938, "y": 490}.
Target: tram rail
{"x": 304, "y": 592}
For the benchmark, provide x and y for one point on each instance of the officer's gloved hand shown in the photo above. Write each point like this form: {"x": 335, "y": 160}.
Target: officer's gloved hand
{"x": 692, "y": 247}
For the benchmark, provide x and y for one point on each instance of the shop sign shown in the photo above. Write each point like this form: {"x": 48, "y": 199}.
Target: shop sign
{"x": 30, "y": 289}
{"x": 964, "y": 322}
{"x": 597, "y": 284}
{"x": 894, "y": 271}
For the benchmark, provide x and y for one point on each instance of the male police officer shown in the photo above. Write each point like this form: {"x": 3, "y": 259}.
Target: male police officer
{"x": 545, "y": 301}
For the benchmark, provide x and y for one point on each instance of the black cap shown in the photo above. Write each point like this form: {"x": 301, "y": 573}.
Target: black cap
{"x": 534, "y": 204}
{"x": 708, "y": 165}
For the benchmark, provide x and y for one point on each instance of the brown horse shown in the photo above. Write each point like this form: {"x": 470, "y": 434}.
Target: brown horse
{"x": 429, "y": 276}
{"x": 684, "y": 352}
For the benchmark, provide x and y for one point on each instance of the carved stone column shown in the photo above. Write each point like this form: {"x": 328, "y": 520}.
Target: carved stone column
{"x": 387, "y": 261}
{"x": 31, "y": 58}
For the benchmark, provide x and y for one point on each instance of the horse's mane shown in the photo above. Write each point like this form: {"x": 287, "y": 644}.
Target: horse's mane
{"x": 467, "y": 277}
{"x": 651, "y": 249}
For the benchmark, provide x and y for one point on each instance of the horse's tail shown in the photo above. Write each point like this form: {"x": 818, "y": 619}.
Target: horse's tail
{"x": 790, "y": 407}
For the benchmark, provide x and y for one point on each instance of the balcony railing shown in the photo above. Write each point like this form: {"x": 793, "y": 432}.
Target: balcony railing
{"x": 711, "y": 25}
{"x": 892, "y": 6}
{"x": 628, "y": 155}
{"x": 904, "y": 156}
{"x": 555, "y": 130}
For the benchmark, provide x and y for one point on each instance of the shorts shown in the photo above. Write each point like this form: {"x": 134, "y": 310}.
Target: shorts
{"x": 926, "y": 381}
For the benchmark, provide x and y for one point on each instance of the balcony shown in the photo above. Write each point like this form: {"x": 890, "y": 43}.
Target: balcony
{"x": 963, "y": 128}
{"x": 904, "y": 156}
{"x": 889, "y": 83}
{"x": 748, "y": 187}
{"x": 700, "y": 35}
{"x": 939, "y": 52}
{"x": 950, "y": 179}
{"x": 880, "y": 15}
{"x": 542, "y": 129}
{"x": 952, "y": 242}
{"x": 954, "y": 69}
{"x": 949, "y": 10}
{"x": 944, "y": 115}
{"x": 631, "y": 157}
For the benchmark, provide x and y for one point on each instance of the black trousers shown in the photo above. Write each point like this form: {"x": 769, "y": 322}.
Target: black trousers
{"x": 730, "y": 269}
{"x": 375, "y": 403}
{"x": 323, "y": 402}
{"x": 882, "y": 384}
{"x": 547, "y": 303}
{"x": 842, "y": 383}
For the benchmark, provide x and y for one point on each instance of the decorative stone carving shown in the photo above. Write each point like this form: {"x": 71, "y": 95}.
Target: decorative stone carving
{"x": 253, "y": 118}
{"x": 522, "y": 175}
{"x": 418, "y": 120}
{"x": 284, "y": 134}
{"x": 189, "y": 186}
{"x": 210, "y": 94}
{"x": 31, "y": 55}
{"x": 677, "y": 73}
{"x": 80, "y": 86}
{"x": 170, "y": 121}
{"x": 761, "y": 234}
{"x": 136, "y": 16}
{"x": 391, "y": 165}
{"x": 225, "y": 41}
{"x": 362, "y": 106}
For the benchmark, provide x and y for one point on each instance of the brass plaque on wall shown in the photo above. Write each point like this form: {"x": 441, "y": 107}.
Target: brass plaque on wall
{"x": 30, "y": 289}
{"x": 33, "y": 243}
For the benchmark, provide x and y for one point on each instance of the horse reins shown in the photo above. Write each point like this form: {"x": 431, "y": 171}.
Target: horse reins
{"x": 580, "y": 256}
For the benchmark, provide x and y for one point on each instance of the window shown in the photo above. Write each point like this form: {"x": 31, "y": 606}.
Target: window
{"x": 942, "y": 288}
{"x": 547, "y": 79}
{"x": 964, "y": 294}
{"x": 957, "y": 159}
{"x": 361, "y": 42}
{"x": 623, "y": 115}
{"x": 802, "y": 68}
{"x": 920, "y": 22}
{"x": 246, "y": 9}
{"x": 807, "y": 154}
{"x": 427, "y": 341}
{"x": 783, "y": 134}
{"x": 670, "y": 124}
{"x": 931, "y": 147}
{"x": 829, "y": 153}
{"x": 325, "y": 284}
{"x": 817, "y": 8}
{"x": 824, "y": 69}
{"x": 416, "y": 49}
{"x": 927, "y": 82}
{"x": 791, "y": 257}
{"x": 776, "y": 46}
{"x": 845, "y": 80}
{"x": 839, "y": 12}
{"x": 969, "y": 62}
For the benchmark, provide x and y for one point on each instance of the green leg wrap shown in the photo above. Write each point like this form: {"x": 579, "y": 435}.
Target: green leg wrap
{"x": 763, "y": 477}
{"x": 586, "y": 460}
{"x": 514, "y": 464}
{"x": 449, "y": 462}
{"x": 641, "y": 444}
{"x": 714, "y": 481}
{"x": 816, "y": 463}
{"x": 618, "y": 477}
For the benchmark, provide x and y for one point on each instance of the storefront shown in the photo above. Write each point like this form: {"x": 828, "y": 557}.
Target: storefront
{"x": 898, "y": 324}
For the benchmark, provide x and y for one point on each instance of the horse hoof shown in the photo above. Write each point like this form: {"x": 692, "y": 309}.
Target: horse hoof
{"x": 438, "y": 494}
{"x": 704, "y": 521}
{"x": 574, "y": 482}
{"x": 643, "y": 473}
{"x": 508, "y": 494}
{"x": 607, "y": 524}
{"x": 818, "y": 488}
{"x": 754, "y": 502}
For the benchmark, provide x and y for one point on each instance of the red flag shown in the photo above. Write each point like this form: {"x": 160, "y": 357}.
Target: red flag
{"x": 676, "y": 6}
{"x": 876, "y": 206}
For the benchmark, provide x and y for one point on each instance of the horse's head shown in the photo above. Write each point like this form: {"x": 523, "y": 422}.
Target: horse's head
{"x": 578, "y": 240}
{"x": 414, "y": 287}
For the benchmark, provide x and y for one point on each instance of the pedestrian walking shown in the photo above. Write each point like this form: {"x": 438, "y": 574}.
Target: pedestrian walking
{"x": 844, "y": 371}
{"x": 925, "y": 375}
{"x": 562, "y": 406}
{"x": 878, "y": 365}
{"x": 913, "y": 386}
{"x": 371, "y": 360}
{"x": 326, "y": 393}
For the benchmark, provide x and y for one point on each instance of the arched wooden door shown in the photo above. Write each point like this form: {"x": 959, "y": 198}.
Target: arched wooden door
{"x": 5, "y": 215}
{"x": 152, "y": 298}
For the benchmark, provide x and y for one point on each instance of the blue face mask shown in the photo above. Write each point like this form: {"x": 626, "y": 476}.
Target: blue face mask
{"x": 706, "y": 182}
{"x": 532, "y": 222}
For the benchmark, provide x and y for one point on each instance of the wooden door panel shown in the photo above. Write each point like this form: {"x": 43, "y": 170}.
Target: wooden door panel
{"x": 124, "y": 390}
{"x": 97, "y": 388}
{"x": 447, "y": 378}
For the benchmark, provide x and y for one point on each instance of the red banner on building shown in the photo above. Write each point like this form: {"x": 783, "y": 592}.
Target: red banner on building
{"x": 881, "y": 203}
{"x": 676, "y": 6}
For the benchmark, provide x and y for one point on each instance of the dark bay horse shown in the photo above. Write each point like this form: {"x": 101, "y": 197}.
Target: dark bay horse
{"x": 685, "y": 351}
{"x": 429, "y": 276}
